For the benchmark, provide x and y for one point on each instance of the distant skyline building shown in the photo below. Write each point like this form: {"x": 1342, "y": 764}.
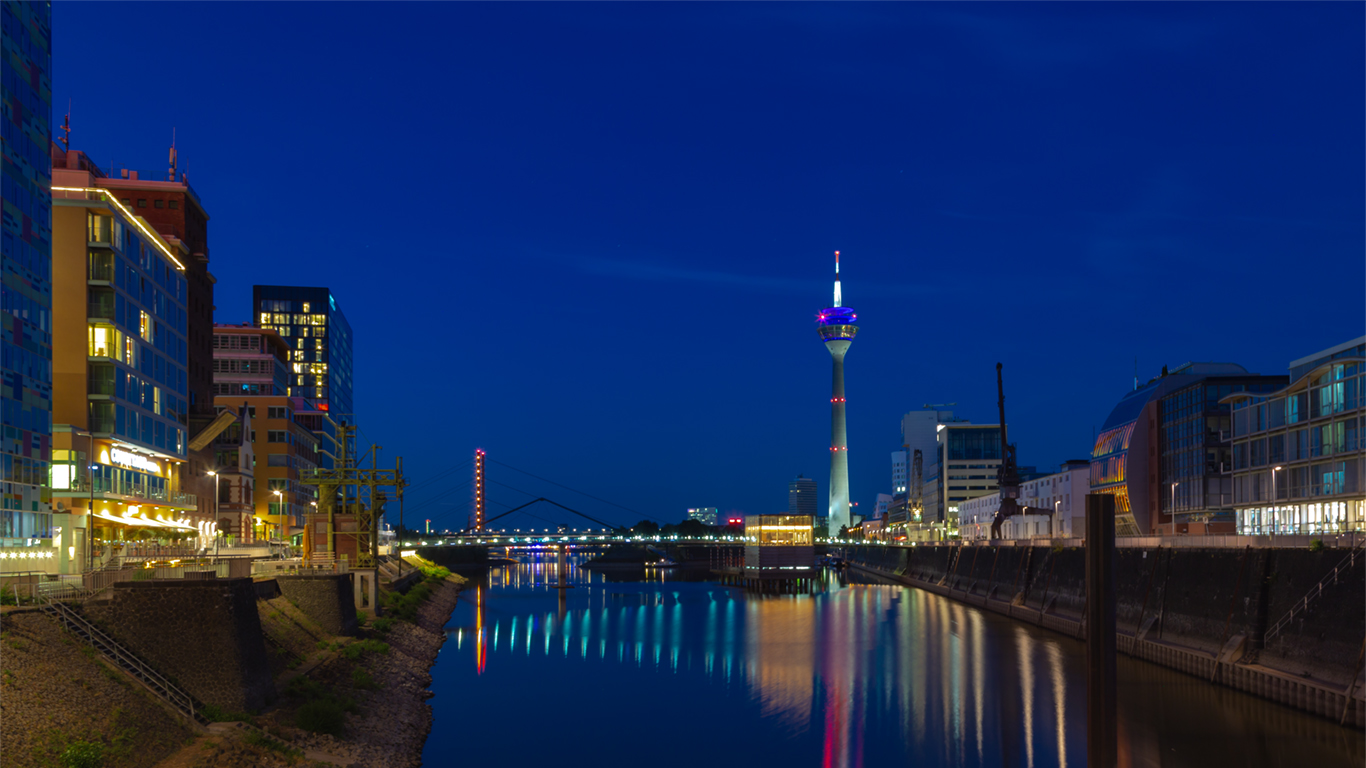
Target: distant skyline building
{"x": 26, "y": 256}
{"x": 901, "y": 467}
{"x": 319, "y": 338}
{"x": 884, "y": 501}
{"x": 837, "y": 330}
{"x": 801, "y": 497}
{"x": 703, "y": 515}
{"x": 961, "y": 466}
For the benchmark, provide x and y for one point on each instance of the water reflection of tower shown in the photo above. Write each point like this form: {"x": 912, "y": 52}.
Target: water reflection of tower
{"x": 837, "y": 329}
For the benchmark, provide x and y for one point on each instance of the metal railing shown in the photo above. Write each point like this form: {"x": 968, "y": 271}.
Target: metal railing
{"x": 125, "y": 659}
{"x": 1303, "y": 603}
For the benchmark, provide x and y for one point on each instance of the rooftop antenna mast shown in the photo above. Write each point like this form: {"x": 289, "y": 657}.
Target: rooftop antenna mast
{"x": 838, "y": 300}
{"x": 173, "y": 157}
{"x": 66, "y": 128}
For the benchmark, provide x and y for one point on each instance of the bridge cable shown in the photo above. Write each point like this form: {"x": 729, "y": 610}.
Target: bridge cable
{"x": 581, "y": 493}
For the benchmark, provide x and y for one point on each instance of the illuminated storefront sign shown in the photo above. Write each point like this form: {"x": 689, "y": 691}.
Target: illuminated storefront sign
{"x": 133, "y": 461}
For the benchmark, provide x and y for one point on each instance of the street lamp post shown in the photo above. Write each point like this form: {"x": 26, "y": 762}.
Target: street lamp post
{"x": 1053, "y": 524}
{"x": 1173, "y": 507}
{"x": 279, "y": 511}
{"x": 1274, "y": 470}
{"x": 214, "y": 475}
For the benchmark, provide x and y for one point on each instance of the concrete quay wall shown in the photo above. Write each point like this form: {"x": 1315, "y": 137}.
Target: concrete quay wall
{"x": 204, "y": 634}
{"x": 1175, "y": 607}
{"x": 324, "y": 598}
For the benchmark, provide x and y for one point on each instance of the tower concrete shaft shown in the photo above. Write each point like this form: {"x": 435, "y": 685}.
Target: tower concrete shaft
{"x": 839, "y": 440}
{"x": 836, "y": 328}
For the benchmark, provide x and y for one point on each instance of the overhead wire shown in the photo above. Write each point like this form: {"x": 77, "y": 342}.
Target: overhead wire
{"x": 575, "y": 490}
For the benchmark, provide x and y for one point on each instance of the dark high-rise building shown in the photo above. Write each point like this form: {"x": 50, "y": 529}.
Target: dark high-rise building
{"x": 801, "y": 497}
{"x": 26, "y": 258}
{"x": 319, "y": 339}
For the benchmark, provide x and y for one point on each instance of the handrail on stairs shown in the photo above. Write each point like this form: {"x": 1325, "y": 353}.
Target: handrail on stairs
{"x": 1302, "y": 605}
{"x": 124, "y": 658}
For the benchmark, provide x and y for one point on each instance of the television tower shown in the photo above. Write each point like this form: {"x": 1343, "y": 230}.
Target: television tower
{"x": 836, "y": 327}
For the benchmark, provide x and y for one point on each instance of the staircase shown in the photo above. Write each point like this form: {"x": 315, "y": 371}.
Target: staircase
{"x": 1302, "y": 605}
{"x": 124, "y": 659}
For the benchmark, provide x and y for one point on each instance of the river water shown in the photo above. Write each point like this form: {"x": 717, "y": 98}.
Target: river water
{"x": 658, "y": 670}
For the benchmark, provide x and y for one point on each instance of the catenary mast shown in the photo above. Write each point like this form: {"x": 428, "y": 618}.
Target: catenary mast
{"x": 837, "y": 329}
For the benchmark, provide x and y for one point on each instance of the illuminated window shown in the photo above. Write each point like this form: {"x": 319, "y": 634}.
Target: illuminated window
{"x": 318, "y": 344}
{"x": 305, "y": 308}
{"x": 281, "y": 319}
{"x": 265, "y": 318}
{"x": 303, "y": 332}
{"x": 144, "y": 325}
{"x": 104, "y": 341}
{"x": 130, "y": 351}
{"x": 156, "y": 401}
{"x": 300, "y": 381}
{"x": 319, "y": 319}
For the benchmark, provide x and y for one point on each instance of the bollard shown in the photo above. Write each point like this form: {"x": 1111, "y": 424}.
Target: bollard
{"x": 1101, "y": 746}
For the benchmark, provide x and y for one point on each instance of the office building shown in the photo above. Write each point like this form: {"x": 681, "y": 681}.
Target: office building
{"x": 962, "y": 466}
{"x": 1298, "y": 457}
{"x": 884, "y": 501}
{"x": 121, "y": 397}
{"x": 1163, "y": 453}
{"x": 801, "y": 497}
{"x": 836, "y": 327}
{"x": 285, "y": 451}
{"x": 1064, "y": 492}
{"x": 165, "y": 202}
{"x": 901, "y": 467}
{"x": 249, "y": 361}
{"x": 703, "y": 515}
{"x": 26, "y": 256}
{"x": 319, "y": 338}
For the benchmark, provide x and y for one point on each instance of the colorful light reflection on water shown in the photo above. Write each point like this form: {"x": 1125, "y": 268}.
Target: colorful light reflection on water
{"x": 651, "y": 668}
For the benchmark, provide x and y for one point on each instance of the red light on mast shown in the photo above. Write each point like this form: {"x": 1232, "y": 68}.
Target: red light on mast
{"x": 478, "y": 489}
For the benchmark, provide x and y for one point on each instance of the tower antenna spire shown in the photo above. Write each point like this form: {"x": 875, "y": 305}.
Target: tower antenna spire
{"x": 838, "y": 299}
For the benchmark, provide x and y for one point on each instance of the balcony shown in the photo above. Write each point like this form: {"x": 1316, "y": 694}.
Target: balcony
{"x": 129, "y": 491}
{"x": 101, "y": 266}
{"x": 100, "y": 306}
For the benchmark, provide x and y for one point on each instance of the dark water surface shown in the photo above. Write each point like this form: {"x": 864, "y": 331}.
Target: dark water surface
{"x": 654, "y": 670}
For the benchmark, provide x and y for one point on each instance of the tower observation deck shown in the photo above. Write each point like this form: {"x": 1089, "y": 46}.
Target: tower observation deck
{"x": 836, "y": 328}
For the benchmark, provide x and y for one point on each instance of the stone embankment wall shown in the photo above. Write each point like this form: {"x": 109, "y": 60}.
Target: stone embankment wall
{"x": 1177, "y": 606}
{"x": 204, "y": 634}
{"x": 325, "y": 598}
{"x": 54, "y": 692}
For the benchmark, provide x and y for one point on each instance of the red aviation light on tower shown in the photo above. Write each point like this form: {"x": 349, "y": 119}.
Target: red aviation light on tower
{"x": 479, "y": 489}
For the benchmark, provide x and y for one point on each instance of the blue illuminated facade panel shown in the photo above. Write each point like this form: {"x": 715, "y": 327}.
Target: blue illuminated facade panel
{"x": 25, "y": 271}
{"x": 136, "y": 328}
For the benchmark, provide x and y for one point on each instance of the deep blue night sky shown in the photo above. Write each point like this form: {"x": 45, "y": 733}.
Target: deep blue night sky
{"x": 592, "y": 239}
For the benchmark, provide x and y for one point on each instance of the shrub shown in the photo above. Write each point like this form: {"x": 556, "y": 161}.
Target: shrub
{"x": 360, "y": 678}
{"x": 82, "y": 754}
{"x": 358, "y": 648}
{"x": 383, "y": 625}
{"x": 1316, "y": 545}
{"x": 321, "y": 715}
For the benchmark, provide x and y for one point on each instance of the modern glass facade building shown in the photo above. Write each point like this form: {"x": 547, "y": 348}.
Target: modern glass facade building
{"x": 26, "y": 260}
{"x": 120, "y": 367}
{"x": 1163, "y": 454}
{"x": 319, "y": 338}
{"x": 965, "y": 462}
{"x": 1298, "y": 457}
